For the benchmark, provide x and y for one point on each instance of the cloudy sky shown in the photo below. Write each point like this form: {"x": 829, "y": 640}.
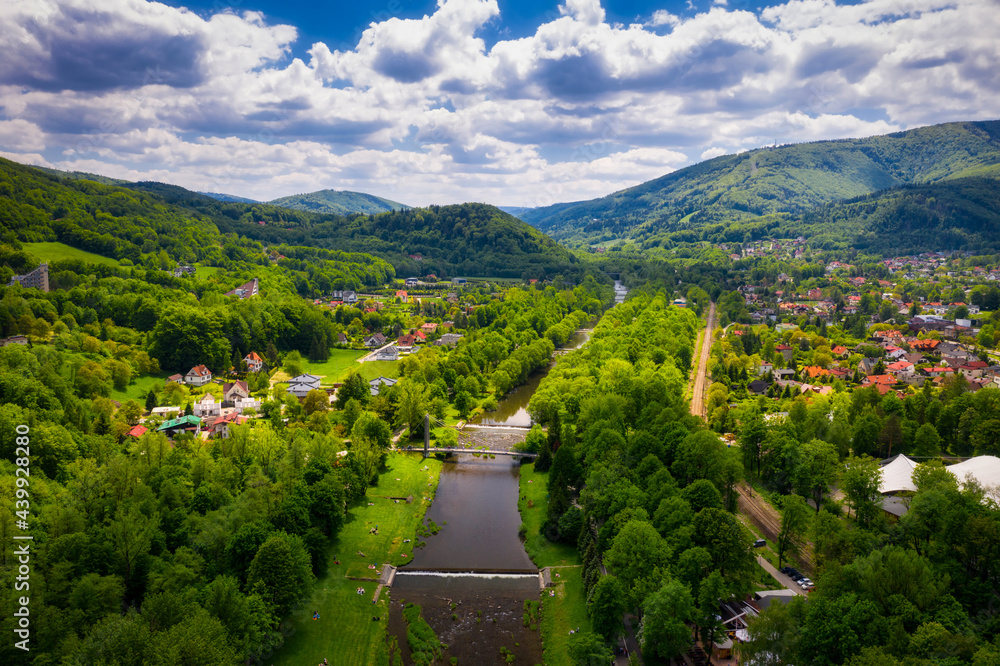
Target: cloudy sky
{"x": 509, "y": 102}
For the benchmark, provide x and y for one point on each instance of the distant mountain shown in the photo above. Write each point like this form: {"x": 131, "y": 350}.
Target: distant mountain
{"x": 532, "y": 215}
{"x": 338, "y": 202}
{"x": 82, "y": 175}
{"x": 228, "y": 197}
{"x": 791, "y": 180}
{"x": 466, "y": 239}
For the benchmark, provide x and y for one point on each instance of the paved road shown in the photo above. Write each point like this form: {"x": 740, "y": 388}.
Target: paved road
{"x": 700, "y": 385}
{"x": 780, "y": 577}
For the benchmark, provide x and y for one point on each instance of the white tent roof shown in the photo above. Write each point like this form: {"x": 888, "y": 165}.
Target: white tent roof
{"x": 984, "y": 469}
{"x": 897, "y": 476}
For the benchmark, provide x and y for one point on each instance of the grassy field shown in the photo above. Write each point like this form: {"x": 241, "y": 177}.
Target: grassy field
{"x": 562, "y": 612}
{"x": 337, "y": 367}
{"x": 205, "y": 271}
{"x": 532, "y": 503}
{"x": 48, "y": 252}
{"x": 374, "y": 369}
{"x": 139, "y": 387}
{"x": 346, "y": 632}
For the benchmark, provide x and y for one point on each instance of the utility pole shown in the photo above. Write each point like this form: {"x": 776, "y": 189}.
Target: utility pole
{"x": 427, "y": 434}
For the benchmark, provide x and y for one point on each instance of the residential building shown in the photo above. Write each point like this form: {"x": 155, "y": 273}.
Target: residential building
{"x": 245, "y": 290}
{"x": 36, "y": 279}
{"x": 199, "y": 375}
{"x": 254, "y": 362}
{"x": 220, "y": 426}
{"x": 301, "y": 385}
{"x": 377, "y": 383}
{"x": 238, "y": 390}
{"x": 374, "y": 340}
{"x": 207, "y": 406}
{"x": 449, "y": 339}
{"x": 387, "y": 353}
{"x": 182, "y": 424}
{"x": 14, "y": 340}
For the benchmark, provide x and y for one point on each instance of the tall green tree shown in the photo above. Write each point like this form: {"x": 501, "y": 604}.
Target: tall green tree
{"x": 606, "y": 607}
{"x": 794, "y": 524}
{"x": 664, "y": 631}
{"x": 817, "y": 470}
{"x": 860, "y": 482}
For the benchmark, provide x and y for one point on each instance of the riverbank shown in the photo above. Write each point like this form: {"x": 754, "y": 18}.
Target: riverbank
{"x": 346, "y": 632}
{"x": 533, "y": 505}
{"x": 564, "y": 605}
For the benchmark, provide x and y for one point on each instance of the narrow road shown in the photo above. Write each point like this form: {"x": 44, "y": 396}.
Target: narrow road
{"x": 780, "y": 577}
{"x": 700, "y": 381}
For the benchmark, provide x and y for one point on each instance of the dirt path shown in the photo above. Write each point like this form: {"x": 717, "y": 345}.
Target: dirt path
{"x": 700, "y": 378}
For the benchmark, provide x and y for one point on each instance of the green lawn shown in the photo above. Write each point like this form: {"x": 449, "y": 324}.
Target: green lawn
{"x": 205, "y": 271}
{"x": 374, "y": 369}
{"x": 543, "y": 552}
{"x": 337, "y": 367}
{"x": 139, "y": 387}
{"x": 346, "y": 633}
{"x": 49, "y": 252}
{"x": 566, "y": 610}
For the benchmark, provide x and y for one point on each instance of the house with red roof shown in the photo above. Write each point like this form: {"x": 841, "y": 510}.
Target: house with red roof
{"x": 785, "y": 350}
{"x": 137, "y": 431}
{"x": 254, "y": 362}
{"x": 878, "y": 380}
{"x": 199, "y": 375}
{"x": 900, "y": 368}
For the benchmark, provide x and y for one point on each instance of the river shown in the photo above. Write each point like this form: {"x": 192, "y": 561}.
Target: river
{"x": 473, "y": 577}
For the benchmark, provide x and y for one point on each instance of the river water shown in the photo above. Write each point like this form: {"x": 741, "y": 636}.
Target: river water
{"x": 473, "y": 577}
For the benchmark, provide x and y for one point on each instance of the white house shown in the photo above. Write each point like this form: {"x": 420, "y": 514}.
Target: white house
{"x": 254, "y": 362}
{"x": 199, "y": 375}
{"x": 301, "y": 385}
{"x": 207, "y": 406}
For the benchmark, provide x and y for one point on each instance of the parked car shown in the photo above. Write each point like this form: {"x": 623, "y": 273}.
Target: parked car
{"x": 759, "y": 543}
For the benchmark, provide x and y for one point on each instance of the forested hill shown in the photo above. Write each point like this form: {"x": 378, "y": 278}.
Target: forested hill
{"x": 791, "y": 179}
{"x": 142, "y": 218}
{"x": 471, "y": 239}
{"x": 339, "y": 202}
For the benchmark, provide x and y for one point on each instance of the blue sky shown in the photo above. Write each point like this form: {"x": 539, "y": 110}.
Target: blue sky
{"x": 441, "y": 101}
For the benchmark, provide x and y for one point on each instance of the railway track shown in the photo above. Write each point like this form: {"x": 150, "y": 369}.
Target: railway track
{"x": 700, "y": 378}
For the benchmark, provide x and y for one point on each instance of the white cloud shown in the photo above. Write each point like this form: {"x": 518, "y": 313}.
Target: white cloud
{"x": 420, "y": 110}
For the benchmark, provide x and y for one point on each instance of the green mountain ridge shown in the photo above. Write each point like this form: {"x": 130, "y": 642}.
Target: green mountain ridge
{"x": 338, "y": 202}
{"x": 792, "y": 179}
{"x": 141, "y": 219}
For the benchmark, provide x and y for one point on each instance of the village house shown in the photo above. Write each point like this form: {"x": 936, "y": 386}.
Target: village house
{"x": 786, "y": 351}
{"x": 388, "y": 353}
{"x": 301, "y": 385}
{"x": 406, "y": 340}
{"x": 765, "y": 368}
{"x": 206, "y": 406}
{"x": 345, "y": 296}
{"x": 220, "y": 425}
{"x": 238, "y": 390}
{"x": 245, "y": 290}
{"x": 254, "y": 362}
{"x": 199, "y": 375}
{"x": 900, "y": 368}
{"x": 374, "y": 340}
{"x": 376, "y": 384}
{"x": 137, "y": 431}
{"x": 14, "y": 340}
{"x": 448, "y": 339}
{"x": 429, "y": 328}
{"x": 182, "y": 424}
